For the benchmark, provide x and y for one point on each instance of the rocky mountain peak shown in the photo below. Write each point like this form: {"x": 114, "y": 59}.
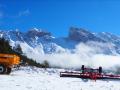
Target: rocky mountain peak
{"x": 37, "y": 32}
{"x": 80, "y": 34}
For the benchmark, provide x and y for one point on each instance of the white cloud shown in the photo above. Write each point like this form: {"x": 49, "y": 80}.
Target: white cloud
{"x": 17, "y": 15}
{"x": 24, "y": 13}
{"x": 84, "y": 54}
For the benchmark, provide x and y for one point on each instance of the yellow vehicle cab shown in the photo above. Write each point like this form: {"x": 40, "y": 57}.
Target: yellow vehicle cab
{"x": 7, "y": 61}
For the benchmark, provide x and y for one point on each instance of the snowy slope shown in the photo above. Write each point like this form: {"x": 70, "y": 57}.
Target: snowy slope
{"x": 43, "y": 42}
{"x": 79, "y": 47}
{"x": 40, "y": 79}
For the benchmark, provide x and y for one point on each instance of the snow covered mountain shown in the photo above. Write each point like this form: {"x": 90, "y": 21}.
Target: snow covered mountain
{"x": 82, "y": 35}
{"x": 37, "y": 42}
{"x": 43, "y": 39}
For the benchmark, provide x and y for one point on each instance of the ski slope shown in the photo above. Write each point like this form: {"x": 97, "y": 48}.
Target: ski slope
{"x": 28, "y": 78}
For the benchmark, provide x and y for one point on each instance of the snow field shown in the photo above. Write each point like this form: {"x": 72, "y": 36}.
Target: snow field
{"x": 28, "y": 78}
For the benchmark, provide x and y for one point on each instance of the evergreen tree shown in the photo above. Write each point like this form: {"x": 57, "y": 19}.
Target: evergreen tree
{"x": 18, "y": 49}
{"x": 6, "y": 48}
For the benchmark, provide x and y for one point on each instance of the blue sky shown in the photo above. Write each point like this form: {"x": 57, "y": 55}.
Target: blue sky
{"x": 57, "y": 16}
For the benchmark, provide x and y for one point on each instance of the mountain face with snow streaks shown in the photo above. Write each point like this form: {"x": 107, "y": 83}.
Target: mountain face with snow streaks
{"x": 40, "y": 42}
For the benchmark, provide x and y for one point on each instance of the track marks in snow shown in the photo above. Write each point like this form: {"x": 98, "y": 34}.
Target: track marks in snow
{"x": 40, "y": 79}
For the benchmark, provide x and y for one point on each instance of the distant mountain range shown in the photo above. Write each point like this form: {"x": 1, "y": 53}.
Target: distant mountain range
{"x": 37, "y": 41}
